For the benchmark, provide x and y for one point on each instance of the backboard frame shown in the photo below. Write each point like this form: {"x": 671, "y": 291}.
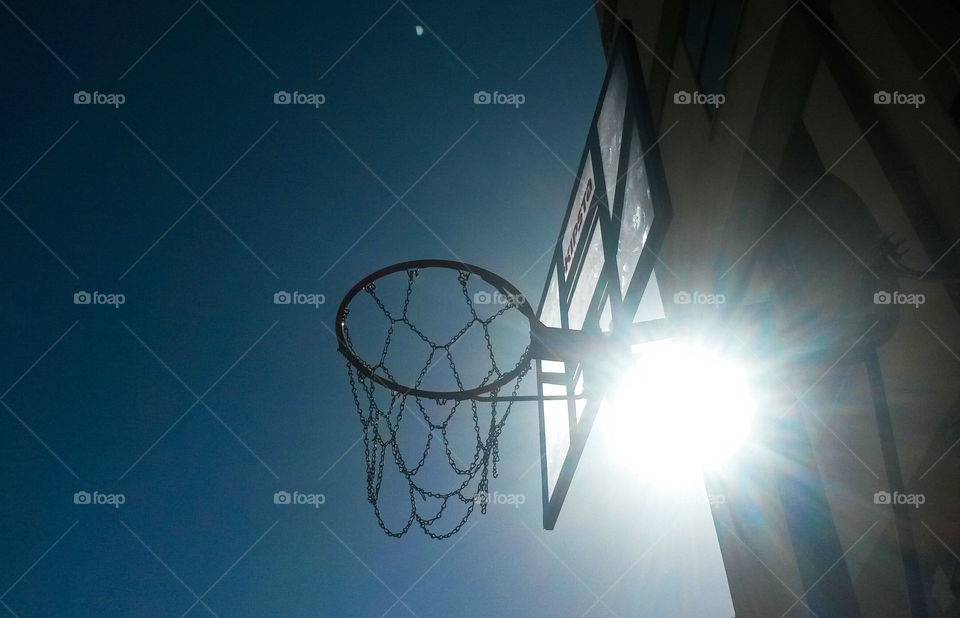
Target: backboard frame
{"x": 602, "y": 218}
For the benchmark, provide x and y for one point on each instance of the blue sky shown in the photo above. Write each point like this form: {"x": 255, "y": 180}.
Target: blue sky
{"x": 198, "y": 398}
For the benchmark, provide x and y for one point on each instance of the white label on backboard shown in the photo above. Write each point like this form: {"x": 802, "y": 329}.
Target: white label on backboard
{"x": 578, "y": 216}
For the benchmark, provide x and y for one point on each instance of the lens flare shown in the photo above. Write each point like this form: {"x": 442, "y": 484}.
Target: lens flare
{"x": 681, "y": 410}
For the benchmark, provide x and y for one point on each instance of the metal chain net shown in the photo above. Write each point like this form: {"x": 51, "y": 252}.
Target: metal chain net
{"x": 473, "y": 477}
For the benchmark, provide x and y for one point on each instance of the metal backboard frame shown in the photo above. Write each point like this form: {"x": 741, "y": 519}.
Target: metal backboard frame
{"x": 603, "y": 259}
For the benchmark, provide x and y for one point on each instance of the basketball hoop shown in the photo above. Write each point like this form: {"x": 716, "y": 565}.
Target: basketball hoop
{"x": 382, "y": 397}
{"x": 378, "y": 372}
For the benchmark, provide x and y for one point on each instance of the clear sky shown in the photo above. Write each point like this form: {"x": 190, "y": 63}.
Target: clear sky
{"x": 198, "y": 198}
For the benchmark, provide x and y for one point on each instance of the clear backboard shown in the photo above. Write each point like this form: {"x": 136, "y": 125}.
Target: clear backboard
{"x": 603, "y": 261}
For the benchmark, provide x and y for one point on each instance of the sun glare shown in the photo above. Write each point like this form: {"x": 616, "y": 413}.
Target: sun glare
{"x": 681, "y": 411}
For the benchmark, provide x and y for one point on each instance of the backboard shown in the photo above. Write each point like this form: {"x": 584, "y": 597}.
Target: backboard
{"x": 603, "y": 261}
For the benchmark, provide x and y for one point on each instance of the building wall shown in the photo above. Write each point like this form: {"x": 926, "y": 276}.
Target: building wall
{"x": 800, "y": 111}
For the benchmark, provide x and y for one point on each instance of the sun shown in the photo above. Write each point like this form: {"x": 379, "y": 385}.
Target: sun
{"x": 681, "y": 410}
